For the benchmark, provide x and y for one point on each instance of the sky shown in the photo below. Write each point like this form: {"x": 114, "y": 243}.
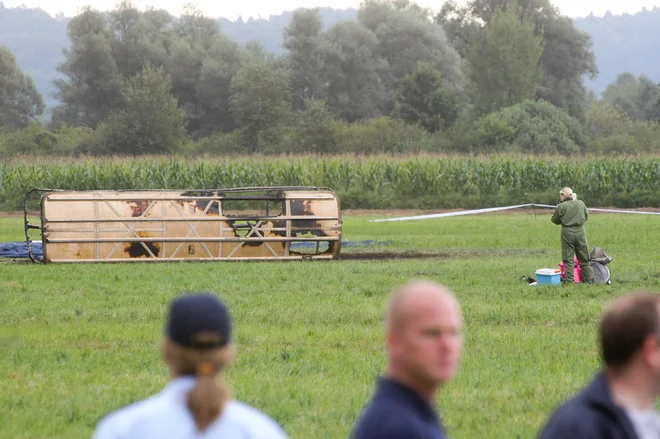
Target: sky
{"x": 264, "y": 8}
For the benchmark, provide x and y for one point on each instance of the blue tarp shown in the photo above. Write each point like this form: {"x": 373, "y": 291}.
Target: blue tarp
{"x": 312, "y": 244}
{"x": 18, "y": 250}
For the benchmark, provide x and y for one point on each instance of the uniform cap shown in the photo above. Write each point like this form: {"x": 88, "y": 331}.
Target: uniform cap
{"x": 199, "y": 321}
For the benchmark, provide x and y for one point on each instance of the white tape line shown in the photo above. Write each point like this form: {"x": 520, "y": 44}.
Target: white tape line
{"x": 496, "y": 209}
{"x": 442, "y": 215}
{"x": 625, "y": 211}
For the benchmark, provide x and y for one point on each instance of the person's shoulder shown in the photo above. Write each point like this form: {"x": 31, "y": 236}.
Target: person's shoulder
{"x": 255, "y": 422}
{"x": 576, "y": 417}
{"x": 389, "y": 427}
{"x": 565, "y": 420}
{"x": 116, "y": 423}
{"x": 385, "y": 418}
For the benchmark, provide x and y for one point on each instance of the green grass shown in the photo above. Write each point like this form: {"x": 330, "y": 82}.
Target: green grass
{"x": 81, "y": 340}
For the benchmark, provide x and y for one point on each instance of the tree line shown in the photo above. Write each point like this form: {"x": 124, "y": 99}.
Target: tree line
{"x": 487, "y": 76}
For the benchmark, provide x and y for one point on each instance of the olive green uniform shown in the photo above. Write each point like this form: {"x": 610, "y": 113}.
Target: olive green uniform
{"x": 572, "y": 214}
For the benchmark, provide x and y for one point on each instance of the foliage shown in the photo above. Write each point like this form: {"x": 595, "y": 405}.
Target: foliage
{"x": 605, "y": 120}
{"x": 567, "y": 52}
{"x": 315, "y": 129}
{"x": 422, "y": 99}
{"x": 415, "y": 181}
{"x": 35, "y": 140}
{"x": 307, "y": 50}
{"x": 504, "y": 60}
{"x": 406, "y": 36}
{"x": 531, "y": 127}
{"x": 638, "y": 98}
{"x": 385, "y": 67}
{"x": 355, "y": 71}
{"x": 20, "y": 102}
{"x": 90, "y": 89}
{"x": 260, "y": 103}
{"x": 382, "y": 136}
{"x": 151, "y": 122}
{"x": 37, "y": 39}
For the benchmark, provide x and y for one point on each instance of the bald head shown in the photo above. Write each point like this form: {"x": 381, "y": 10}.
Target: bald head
{"x": 409, "y": 300}
{"x": 424, "y": 335}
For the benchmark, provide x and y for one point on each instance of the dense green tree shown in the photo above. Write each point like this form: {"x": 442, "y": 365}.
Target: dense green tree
{"x": 422, "y": 99}
{"x": 150, "y": 123}
{"x": 604, "y": 120}
{"x": 406, "y": 36}
{"x": 306, "y": 55}
{"x": 194, "y": 38}
{"x": 20, "y": 102}
{"x": 356, "y": 89}
{"x": 260, "y": 103}
{"x": 567, "y": 56}
{"x": 90, "y": 88}
{"x": 219, "y": 67}
{"x": 504, "y": 61}
{"x": 535, "y": 127}
{"x": 315, "y": 129}
{"x": 139, "y": 38}
{"x": 636, "y": 97}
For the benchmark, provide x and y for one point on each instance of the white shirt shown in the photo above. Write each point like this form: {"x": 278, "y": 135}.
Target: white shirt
{"x": 646, "y": 423}
{"x": 165, "y": 415}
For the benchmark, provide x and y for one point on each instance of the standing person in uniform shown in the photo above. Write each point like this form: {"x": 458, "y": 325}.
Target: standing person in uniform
{"x": 571, "y": 214}
{"x": 194, "y": 404}
{"x": 619, "y": 403}
{"x": 424, "y": 345}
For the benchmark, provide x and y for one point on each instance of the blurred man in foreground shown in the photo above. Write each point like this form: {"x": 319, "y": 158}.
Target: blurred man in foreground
{"x": 424, "y": 345}
{"x": 620, "y": 401}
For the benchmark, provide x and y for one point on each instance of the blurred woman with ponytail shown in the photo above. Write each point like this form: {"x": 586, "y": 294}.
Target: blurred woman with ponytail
{"x": 196, "y": 403}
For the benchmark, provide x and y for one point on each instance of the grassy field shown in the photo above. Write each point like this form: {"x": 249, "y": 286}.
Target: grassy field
{"x": 81, "y": 340}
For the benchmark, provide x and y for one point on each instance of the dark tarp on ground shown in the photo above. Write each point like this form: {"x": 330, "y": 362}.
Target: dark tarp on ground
{"x": 19, "y": 250}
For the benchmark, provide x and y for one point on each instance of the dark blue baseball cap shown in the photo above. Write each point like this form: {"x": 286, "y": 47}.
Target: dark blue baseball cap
{"x": 198, "y": 320}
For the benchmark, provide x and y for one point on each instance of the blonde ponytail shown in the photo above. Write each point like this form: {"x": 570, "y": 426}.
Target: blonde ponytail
{"x": 208, "y": 398}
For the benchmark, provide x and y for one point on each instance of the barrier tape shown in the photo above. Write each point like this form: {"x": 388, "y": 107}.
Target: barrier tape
{"x": 497, "y": 209}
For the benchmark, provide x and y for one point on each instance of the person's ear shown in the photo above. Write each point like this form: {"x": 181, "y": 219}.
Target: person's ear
{"x": 650, "y": 351}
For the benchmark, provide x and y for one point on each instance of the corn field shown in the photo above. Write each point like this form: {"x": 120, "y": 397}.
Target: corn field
{"x": 373, "y": 182}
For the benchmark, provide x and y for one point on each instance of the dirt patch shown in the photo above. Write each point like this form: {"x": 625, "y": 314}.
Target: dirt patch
{"x": 393, "y": 255}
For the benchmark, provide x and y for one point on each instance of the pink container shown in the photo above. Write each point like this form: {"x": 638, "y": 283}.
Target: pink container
{"x": 576, "y": 270}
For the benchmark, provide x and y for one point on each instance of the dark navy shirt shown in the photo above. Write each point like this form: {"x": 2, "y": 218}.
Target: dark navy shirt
{"x": 397, "y": 412}
{"x": 591, "y": 414}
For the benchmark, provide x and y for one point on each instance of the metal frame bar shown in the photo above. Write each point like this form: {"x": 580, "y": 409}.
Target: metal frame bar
{"x": 254, "y": 223}
{"x": 201, "y": 198}
{"x": 199, "y": 239}
{"x": 120, "y": 219}
{"x": 226, "y": 258}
